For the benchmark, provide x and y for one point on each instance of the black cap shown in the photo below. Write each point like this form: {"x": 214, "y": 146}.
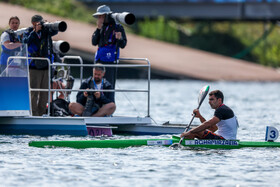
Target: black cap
{"x": 36, "y": 18}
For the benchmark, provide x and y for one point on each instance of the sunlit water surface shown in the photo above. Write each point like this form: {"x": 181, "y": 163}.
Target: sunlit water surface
{"x": 256, "y": 105}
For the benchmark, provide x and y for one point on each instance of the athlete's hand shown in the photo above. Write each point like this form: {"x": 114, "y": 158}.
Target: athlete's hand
{"x": 185, "y": 134}
{"x": 196, "y": 113}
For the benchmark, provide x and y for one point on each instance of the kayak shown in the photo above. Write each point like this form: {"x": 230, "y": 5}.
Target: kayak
{"x": 124, "y": 143}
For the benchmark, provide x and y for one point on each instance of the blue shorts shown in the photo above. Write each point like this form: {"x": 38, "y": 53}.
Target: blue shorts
{"x": 211, "y": 135}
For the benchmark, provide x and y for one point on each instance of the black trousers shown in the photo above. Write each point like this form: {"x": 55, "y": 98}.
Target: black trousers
{"x": 111, "y": 73}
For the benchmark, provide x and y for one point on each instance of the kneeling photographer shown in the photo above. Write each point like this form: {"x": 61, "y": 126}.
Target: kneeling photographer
{"x": 38, "y": 38}
{"x": 97, "y": 103}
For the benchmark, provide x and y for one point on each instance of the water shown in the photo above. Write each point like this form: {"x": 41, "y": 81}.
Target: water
{"x": 255, "y": 104}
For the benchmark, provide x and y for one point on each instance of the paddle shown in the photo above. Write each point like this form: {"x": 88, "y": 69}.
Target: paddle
{"x": 202, "y": 94}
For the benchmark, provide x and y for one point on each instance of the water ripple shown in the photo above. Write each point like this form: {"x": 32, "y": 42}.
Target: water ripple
{"x": 255, "y": 104}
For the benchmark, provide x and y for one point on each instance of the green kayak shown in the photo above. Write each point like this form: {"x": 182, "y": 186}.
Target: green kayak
{"x": 123, "y": 143}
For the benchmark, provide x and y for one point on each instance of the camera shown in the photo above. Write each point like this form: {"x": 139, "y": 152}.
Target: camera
{"x": 125, "y": 17}
{"x": 61, "y": 72}
{"x": 56, "y": 26}
{"x": 21, "y": 31}
{"x": 90, "y": 107}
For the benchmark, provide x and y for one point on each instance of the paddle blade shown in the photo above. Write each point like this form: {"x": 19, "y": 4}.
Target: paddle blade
{"x": 202, "y": 94}
{"x": 176, "y": 146}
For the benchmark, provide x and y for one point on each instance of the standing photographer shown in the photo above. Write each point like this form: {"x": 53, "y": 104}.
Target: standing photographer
{"x": 109, "y": 36}
{"x": 39, "y": 43}
{"x": 9, "y": 42}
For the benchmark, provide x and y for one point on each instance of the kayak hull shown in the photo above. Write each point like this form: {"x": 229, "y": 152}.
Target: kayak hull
{"x": 227, "y": 144}
{"x": 124, "y": 143}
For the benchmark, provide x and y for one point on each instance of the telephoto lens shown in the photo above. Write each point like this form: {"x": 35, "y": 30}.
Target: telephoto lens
{"x": 61, "y": 46}
{"x": 125, "y": 17}
{"x": 56, "y": 26}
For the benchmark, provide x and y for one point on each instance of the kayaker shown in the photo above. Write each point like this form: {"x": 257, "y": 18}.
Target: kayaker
{"x": 223, "y": 120}
{"x": 96, "y": 104}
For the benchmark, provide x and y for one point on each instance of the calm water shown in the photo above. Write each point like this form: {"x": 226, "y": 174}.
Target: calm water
{"x": 256, "y": 105}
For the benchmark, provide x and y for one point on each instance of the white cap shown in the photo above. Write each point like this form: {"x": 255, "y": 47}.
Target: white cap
{"x": 103, "y": 9}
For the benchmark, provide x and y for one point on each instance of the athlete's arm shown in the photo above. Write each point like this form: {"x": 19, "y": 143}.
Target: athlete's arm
{"x": 198, "y": 115}
{"x": 209, "y": 124}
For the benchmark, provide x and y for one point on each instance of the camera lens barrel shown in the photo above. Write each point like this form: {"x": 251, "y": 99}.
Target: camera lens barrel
{"x": 61, "y": 46}
{"x": 62, "y": 26}
{"x": 130, "y": 18}
{"x": 125, "y": 17}
{"x": 57, "y": 26}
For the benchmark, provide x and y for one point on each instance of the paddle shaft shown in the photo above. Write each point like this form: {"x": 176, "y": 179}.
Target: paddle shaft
{"x": 202, "y": 94}
{"x": 187, "y": 128}
{"x": 199, "y": 104}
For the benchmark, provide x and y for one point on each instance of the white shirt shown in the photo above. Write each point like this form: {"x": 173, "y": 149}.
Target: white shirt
{"x": 98, "y": 86}
{"x": 4, "y": 37}
{"x": 228, "y": 128}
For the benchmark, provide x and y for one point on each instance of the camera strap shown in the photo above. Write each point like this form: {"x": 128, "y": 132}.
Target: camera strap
{"x": 109, "y": 34}
{"x": 39, "y": 34}
{"x": 96, "y": 87}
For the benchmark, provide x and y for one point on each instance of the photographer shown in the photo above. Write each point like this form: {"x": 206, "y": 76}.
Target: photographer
{"x": 109, "y": 36}
{"x": 96, "y": 104}
{"x": 39, "y": 43}
{"x": 9, "y": 42}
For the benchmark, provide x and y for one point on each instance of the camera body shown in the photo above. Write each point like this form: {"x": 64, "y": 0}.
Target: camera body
{"x": 56, "y": 26}
{"x": 91, "y": 93}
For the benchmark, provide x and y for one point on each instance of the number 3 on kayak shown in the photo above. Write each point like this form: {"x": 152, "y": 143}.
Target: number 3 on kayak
{"x": 271, "y": 134}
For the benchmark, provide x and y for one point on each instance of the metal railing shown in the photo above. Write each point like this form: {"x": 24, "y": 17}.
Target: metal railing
{"x": 81, "y": 65}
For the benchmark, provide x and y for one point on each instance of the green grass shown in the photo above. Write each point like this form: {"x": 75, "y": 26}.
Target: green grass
{"x": 64, "y": 8}
{"x": 244, "y": 40}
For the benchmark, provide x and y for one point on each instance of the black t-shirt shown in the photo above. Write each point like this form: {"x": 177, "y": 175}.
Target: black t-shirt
{"x": 223, "y": 112}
